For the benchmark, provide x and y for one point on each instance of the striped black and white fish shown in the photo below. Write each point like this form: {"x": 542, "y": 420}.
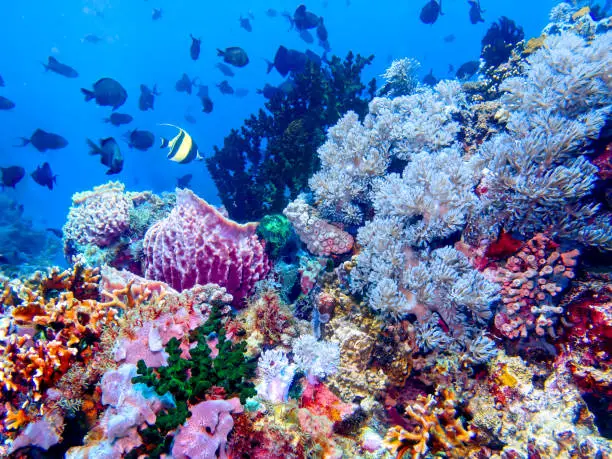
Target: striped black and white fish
{"x": 182, "y": 148}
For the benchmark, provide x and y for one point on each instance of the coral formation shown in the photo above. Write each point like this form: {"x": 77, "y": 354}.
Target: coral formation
{"x": 269, "y": 160}
{"x": 195, "y": 244}
{"x": 539, "y": 178}
{"x": 321, "y": 238}
{"x": 531, "y": 281}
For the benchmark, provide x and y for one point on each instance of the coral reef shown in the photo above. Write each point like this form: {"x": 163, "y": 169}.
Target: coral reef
{"x": 355, "y": 153}
{"x": 499, "y": 41}
{"x": 195, "y": 244}
{"x": 401, "y": 78}
{"x": 539, "y": 178}
{"x": 107, "y": 225}
{"x": 269, "y": 160}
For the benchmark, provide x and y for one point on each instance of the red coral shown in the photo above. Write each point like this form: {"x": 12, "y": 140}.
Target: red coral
{"x": 319, "y": 400}
{"x": 604, "y": 163}
{"x": 531, "y": 282}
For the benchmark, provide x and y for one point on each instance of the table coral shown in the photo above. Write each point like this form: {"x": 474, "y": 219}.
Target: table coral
{"x": 532, "y": 281}
{"x": 195, "y": 244}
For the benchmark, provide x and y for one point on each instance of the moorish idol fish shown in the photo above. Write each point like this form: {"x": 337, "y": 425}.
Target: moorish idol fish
{"x": 182, "y": 148}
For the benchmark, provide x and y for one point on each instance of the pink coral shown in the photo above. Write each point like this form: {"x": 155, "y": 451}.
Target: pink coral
{"x": 530, "y": 282}
{"x": 98, "y": 217}
{"x": 204, "y": 435}
{"x": 321, "y": 238}
{"x": 195, "y": 244}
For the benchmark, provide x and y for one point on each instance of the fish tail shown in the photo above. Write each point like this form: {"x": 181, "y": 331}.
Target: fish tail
{"x": 270, "y": 65}
{"x": 24, "y": 141}
{"x": 88, "y": 94}
{"x": 199, "y": 156}
{"x": 164, "y": 142}
{"x": 220, "y": 53}
{"x": 106, "y": 120}
{"x": 94, "y": 149}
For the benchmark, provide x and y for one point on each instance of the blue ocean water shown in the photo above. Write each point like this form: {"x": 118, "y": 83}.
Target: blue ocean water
{"x": 136, "y": 50}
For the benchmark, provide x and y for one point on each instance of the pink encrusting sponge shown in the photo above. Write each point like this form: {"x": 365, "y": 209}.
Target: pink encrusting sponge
{"x": 196, "y": 244}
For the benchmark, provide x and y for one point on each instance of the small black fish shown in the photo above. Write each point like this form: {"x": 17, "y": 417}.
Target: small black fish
{"x": 43, "y": 141}
{"x": 241, "y": 92}
{"x": 430, "y": 79}
{"x": 475, "y": 11}
{"x": 467, "y": 70}
{"x": 185, "y": 84}
{"x": 271, "y": 12}
{"x": 1, "y": 82}
{"x": 44, "y": 176}
{"x": 117, "y": 119}
{"x": 304, "y": 19}
{"x": 110, "y": 154}
{"x": 6, "y": 104}
{"x": 322, "y": 31}
{"x": 190, "y": 118}
{"x": 288, "y": 60}
{"x": 194, "y": 51}
{"x": 106, "y": 92}
{"x": 269, "y": 91}
{"x": 140, "y": 139}
{"x": 306, "y": 36}
{"x": 157, "y": 14}
{"x": 91, "y": 38}
{"x": 225, "y": 69}
{"x": 61, "y": 69}
{"x": 431, "y": 11}
{"x": 234, "y": 55}
{"x": 56, "y": 232}
{"x": 246, "y": 24}
{"x": 449, "y": 38}
{"x": 147, "y": 97}
{"x": 225, "y": 87}
{"x": 184, "y": 181}
{"x": 207, "y": 103}
{"x": 11, "y": 176}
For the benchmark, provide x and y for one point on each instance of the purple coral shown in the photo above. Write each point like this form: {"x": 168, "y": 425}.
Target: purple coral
{"x": 195, "y": 244}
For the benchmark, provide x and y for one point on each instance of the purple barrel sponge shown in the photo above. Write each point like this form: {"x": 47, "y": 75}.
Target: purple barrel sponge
{"x": 195, "y": 244}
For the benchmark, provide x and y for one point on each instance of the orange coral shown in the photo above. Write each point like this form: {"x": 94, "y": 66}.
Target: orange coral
{"x": 438, "y": 429}
{"x": 15, "y": 419}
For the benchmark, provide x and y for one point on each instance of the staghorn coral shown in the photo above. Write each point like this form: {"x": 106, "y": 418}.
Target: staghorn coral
{"x": 538, "y": 178}
{"x": 438, "y": 429}
{"x": 531, "y": 282}
{"x": 195, "y": 244}
{"x": 321, "y": 238}
{"x": 357, "y": 153}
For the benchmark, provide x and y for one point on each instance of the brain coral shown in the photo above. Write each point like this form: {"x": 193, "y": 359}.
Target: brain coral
{"x": 195, "y": 244}
{"x": 98, "y": 217}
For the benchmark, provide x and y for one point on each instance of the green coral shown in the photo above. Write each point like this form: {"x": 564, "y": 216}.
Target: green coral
{"x": 270, "y": 159}
{"x": 276, "y": 230}
{"x": 189, "y": 380}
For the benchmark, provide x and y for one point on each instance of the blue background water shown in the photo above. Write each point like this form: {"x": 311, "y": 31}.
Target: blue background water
{"x": 137, "y": 50}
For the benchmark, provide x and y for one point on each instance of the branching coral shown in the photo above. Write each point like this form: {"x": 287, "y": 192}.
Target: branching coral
{"x": 538, "y": 177}
{"x": 438, "y": 429}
